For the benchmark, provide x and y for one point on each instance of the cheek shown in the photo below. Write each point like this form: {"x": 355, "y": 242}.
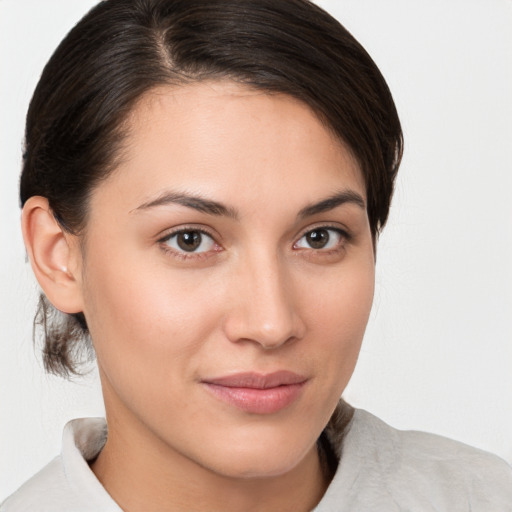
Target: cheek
{"x": 144, "y": 320}
{"x": 342, "y": 302}
{"x": 337, "y": 318}
{"x": 149, "y": 341}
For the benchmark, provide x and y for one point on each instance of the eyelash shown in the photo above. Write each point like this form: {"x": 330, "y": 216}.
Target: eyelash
{"x": 345, "y": 237}
{"x": 184, "y": 255}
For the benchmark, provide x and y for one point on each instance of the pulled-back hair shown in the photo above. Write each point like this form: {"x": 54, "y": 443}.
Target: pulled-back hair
{"x": 123, "y": 48}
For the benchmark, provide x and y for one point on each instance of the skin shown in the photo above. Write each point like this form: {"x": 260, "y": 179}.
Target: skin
{"x": 255, "y": 296}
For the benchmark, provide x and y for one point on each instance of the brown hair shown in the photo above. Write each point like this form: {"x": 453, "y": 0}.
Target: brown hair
{"x": 123, "y": 48}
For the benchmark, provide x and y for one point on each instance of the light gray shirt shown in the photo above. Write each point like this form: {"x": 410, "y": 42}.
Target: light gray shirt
{"x": 381, "y": 469}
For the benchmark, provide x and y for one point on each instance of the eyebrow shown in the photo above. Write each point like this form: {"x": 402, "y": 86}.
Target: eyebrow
{"x": 191, "y": 201}
{"x": 211, "y": 207}
{"x": 338, "y": 199}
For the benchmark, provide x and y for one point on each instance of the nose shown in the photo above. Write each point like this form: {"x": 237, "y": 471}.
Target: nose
{"x": 264, "y": 307}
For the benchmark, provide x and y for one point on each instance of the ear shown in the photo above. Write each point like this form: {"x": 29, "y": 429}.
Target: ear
{"x": 54, "y": 254}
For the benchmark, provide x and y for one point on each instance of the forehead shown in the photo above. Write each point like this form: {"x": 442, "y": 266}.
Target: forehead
{"x": 232, "y": 141}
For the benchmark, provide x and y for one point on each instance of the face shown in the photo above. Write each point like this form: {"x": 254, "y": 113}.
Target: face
{"x": 227, "y": 278}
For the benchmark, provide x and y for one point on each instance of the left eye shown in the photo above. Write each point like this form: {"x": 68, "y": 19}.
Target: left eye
{"x": 190, "y": 240}
{"x": 321, "y": 238}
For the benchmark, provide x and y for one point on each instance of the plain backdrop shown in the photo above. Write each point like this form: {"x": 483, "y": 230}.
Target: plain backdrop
{"x": 437, "y": 354}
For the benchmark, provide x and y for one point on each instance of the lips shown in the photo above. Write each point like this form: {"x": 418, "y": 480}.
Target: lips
{"x": 258, "y": 393}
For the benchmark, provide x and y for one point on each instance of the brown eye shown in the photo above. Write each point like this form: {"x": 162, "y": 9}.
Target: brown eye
{"x": 190, "y": 241}
{"x": 320, "y": 238}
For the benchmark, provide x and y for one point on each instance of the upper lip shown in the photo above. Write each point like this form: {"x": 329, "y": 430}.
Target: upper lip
{"x": 258, "y": 380}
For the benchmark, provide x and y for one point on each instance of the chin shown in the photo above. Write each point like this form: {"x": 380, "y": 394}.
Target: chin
{"x": 260, "y": 457}
{"x": 257, "y": 467}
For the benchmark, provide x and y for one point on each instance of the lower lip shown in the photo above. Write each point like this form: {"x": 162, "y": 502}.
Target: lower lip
{"x": 258, "y": 401}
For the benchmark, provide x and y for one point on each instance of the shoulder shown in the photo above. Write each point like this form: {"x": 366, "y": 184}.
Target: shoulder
{"x": 48, "y": 490}
{"x": 418, "y": 446}
{"x": 67, "y": 483}
{"x": 48, "y": 485}
{"x": 390, "y": 469}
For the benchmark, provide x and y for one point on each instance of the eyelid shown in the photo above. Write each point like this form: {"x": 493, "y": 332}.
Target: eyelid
{"x": 162, "y": 239}
{"x": 334, "y": 226}
{"x": 168, "y": 233}
{"x": 342, "y": 232}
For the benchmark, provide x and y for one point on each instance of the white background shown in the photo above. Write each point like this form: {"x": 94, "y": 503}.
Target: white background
{"x": 438, "y": 351}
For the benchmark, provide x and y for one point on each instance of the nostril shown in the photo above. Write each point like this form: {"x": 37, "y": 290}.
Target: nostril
{"x": 248, "y": 325}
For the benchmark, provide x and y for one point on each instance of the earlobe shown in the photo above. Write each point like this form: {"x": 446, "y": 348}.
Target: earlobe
{"x": 53, "y": 254}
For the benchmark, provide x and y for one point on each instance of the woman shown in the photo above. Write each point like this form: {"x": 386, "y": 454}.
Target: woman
{"x": 203, "y": 188}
